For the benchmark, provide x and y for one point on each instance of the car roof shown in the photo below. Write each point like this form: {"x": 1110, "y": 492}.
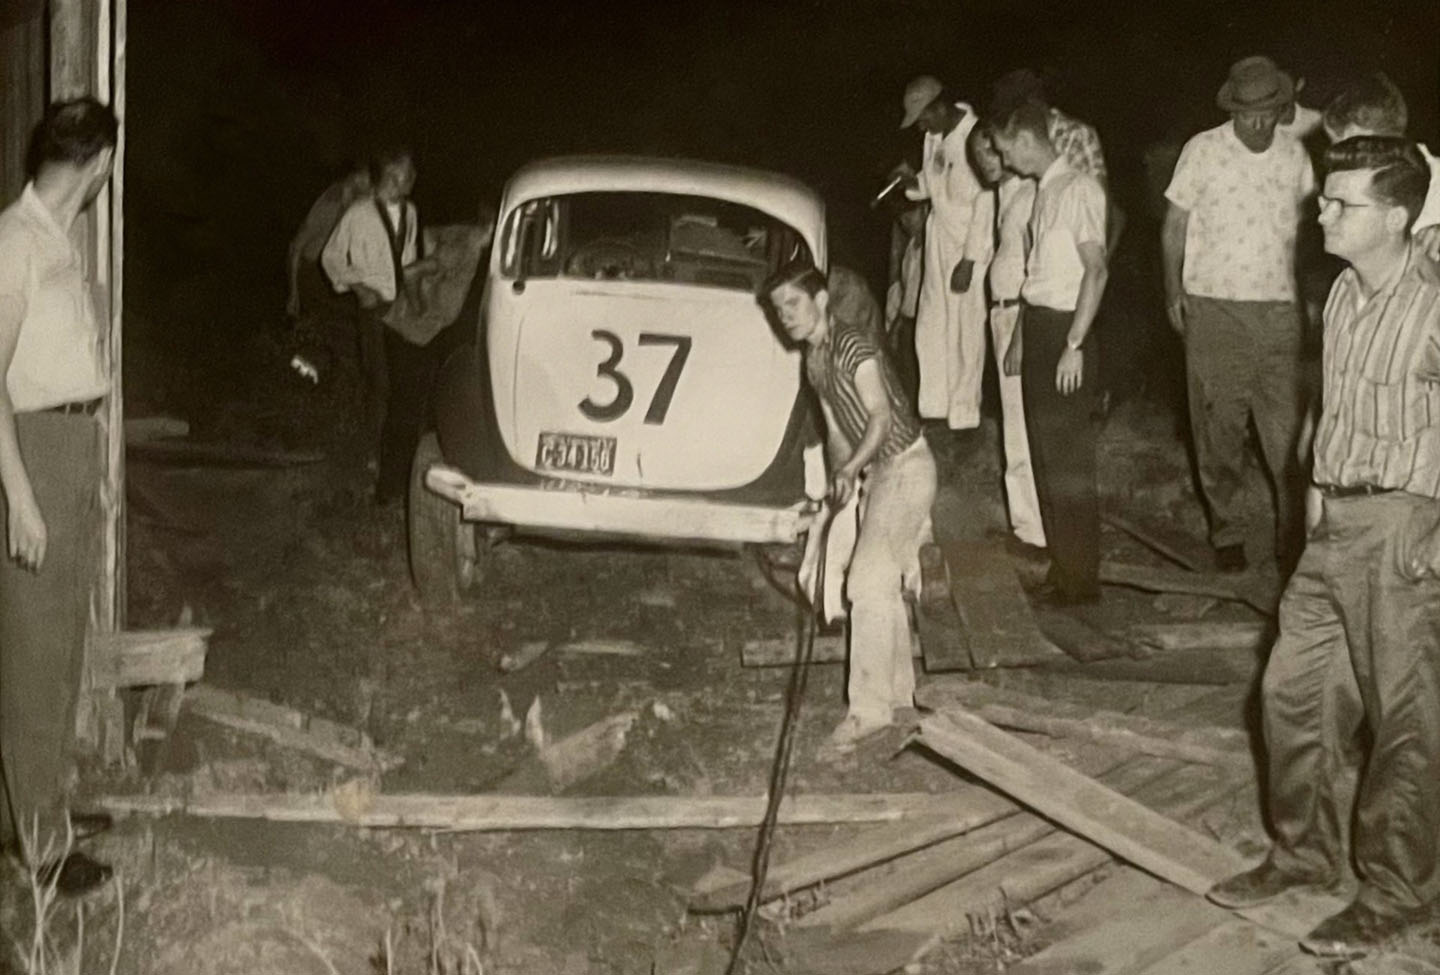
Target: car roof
{"x": 780, "y": 196}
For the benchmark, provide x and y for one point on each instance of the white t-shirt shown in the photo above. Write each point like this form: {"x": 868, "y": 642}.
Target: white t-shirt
{"x": 1007, "y": 268}
{"x": 1069, "y": 211}
{"x": 1245, "y": 212}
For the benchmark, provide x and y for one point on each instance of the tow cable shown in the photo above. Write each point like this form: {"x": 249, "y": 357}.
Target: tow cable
{"x": 806, "y": 623}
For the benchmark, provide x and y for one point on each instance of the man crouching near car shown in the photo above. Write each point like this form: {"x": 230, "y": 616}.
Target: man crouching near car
{"x": 874, "y": 445}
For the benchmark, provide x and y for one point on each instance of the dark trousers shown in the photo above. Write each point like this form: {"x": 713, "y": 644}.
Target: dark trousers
{"x": 370, "y": 332}
{"x": 1061, "y": 431}
{"x": 410, "y": 371}
{"x": 902, "y": 349}
{"x": 43, "y": 617}
{"x": 1243, "y": 363}
{"x": 1359, "y": 645}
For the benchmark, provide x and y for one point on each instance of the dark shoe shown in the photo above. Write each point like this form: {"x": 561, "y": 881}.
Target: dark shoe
{"x": 1356, "y": 931}
{"x": 1231, "y": 558}
{"x": 934, "y": 577}
{"x": 1258, "y": 885}
{"x": 1025, "y": 551}
{"x": 75, "y": 874}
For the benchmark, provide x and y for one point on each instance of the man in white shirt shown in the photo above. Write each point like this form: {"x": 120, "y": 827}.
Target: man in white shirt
{"x": 1372, "y": 105}
{"x": 52, "y": 358}
{"x": 1012, "y": 198}
{"x": 372, "y": 249}
{"x": 1234, "y": 211}
{"x": 1054, "y": 348}
{"x": 949, "y": 323}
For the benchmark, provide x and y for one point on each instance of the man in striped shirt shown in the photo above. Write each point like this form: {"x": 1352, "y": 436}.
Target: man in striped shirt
{"x": 1359, "y": 636}
{"x": 874, "y": 445}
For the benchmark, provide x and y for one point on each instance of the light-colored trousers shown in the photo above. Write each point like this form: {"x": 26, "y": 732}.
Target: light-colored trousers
{"x": 949, "y": 335}
{"x": 1020, "y": 495}
{"x": 895, "y": 502}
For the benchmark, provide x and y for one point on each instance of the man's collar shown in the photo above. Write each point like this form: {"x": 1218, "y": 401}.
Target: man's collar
{"x": 1054, "y": 169}
{"x": 31, "y": 201}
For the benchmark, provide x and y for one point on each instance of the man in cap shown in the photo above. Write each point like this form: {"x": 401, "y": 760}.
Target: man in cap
{"x": 950, "y": 320}
{"x": 1229, "y": 238}
{"x": 1359, "y": 642}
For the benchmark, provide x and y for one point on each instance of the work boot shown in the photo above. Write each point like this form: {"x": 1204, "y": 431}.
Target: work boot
{"x": 1258, "y": 885}
{"x": 1356, "y": 931}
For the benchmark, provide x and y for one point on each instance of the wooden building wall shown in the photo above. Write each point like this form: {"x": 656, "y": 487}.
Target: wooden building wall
{"x": 23, "y": 72}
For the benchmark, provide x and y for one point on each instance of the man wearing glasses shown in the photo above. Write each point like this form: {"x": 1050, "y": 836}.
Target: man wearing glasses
{"x": 1359, "y": 641}
{"x": 1229, "y": 257}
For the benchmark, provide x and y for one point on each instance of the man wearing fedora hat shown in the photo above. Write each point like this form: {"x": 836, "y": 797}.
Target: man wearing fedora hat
{"x": 1229, "y": 238}
{"x": 950, "y": 320}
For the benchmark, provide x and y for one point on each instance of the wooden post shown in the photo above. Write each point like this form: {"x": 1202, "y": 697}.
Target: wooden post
{"x": 22, "y": 89}
{"x": 87, "y": 57}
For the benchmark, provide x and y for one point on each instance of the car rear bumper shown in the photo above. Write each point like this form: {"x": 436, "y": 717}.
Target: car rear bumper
{"x": 638, "y": 516}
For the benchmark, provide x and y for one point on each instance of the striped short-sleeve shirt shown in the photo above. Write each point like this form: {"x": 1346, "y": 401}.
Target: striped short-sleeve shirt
{"x": 830, "y": 368}
{"x": 1380, "y": 419}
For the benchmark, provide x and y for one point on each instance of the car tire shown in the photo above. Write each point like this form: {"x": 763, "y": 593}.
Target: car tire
{"x": 446, "y": 555}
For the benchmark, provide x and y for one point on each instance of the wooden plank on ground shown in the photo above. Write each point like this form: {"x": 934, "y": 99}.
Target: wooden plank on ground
{"x": 999, "y": 624}
{"x": 1231, "y": 635}
{"x": 919, "y": 873}
{"x": 1236, "y": 947}
{"x": 1152, "y": 578}
{"x": 513, "y": 813}
{"x": 1125, "y": 924}
{"x": 1080, "y": 640}
{"x": 1214, "y": 667}
{"x": 781, "y": 651}
{"x": 289, "y": 728}
{"x": 1042, "y": 866}
{"x": 134, "y": 658}
{"x": 1182, "y": 548}
{"x": 971, "y": 808}
{"x": 1225, "y": 747}
{"x": 801, "y": 952}
{"x": 1079, "y": 803}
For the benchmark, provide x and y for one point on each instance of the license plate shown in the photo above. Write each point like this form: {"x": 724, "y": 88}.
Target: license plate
{"x": 576, "y": 452}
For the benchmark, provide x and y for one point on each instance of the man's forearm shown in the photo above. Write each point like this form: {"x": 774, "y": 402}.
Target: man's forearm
{"x": 876, "y": 429}
{"x": 1172, "y": 250}
{"x": 1087, "y": 304}
{"x": 14, "y": 478}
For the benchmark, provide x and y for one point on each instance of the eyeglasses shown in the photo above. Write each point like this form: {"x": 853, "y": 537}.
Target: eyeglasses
{"x": 1345, "y": 205}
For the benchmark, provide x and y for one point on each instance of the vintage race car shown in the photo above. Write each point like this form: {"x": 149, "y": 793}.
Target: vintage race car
{"x": 624, "y": 382}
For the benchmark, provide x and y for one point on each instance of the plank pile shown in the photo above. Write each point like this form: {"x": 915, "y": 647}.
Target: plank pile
{"x": 891, "y": 894}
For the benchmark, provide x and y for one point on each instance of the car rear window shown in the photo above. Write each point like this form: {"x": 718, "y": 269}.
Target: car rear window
{"x": 647, "y": 237}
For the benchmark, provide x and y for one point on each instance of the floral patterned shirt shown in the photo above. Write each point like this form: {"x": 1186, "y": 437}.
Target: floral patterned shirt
{"x": 1244, "y": 214}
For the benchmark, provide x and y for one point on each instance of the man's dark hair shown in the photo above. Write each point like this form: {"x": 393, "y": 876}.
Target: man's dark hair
{"x": 74, "y": 132}
{"x": 1015, "y": 88}
{"x": 387, "y": 157}
{"x": 1371, "y": 102}
{"x": 1031, "y": 116}
{"x": 1401, "y": 177}
{"x": 801, "y": 272}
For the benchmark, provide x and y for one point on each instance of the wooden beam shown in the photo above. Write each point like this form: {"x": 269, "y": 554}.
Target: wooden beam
{"x": 1224, "y": 747}
{"x": 781, "y": 651}
{"x": 1214, "y": 667}
{"x": 1236, "y": 635}
{"x": 497, "y": 813}
{"x": 1183, "y": 549}
{"x": 1150, "y": 578}
{"x": 142, "y": 657}
{"x": 289, "y": 728}
{"x": 1080, "y": 640}
{"x": 916, "y": 875}
{"x": 1033, "y": 871}
{"x": 999, "y": 625}
{"x": 1127, "y": 923}
{"x": 972, "y": 808}
{"x": 1081, "y": 804}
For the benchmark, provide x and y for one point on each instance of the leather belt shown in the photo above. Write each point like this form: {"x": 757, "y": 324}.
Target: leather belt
{"x": 1005, "y": 303}
{"x": 1352, "y": 490}
{"x": 86, "y": 408}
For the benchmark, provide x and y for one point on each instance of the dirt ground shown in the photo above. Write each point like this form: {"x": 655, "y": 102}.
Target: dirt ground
{"x": 304, "y": 581}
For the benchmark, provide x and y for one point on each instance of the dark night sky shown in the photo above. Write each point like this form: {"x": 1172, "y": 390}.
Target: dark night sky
{"x": 241, "y": 110}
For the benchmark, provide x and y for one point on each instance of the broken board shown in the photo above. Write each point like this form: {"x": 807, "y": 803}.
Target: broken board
{"x": 1182, "y": 548}
{"x": 999, "y": 626}
{"x": 1253, "y": 591}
